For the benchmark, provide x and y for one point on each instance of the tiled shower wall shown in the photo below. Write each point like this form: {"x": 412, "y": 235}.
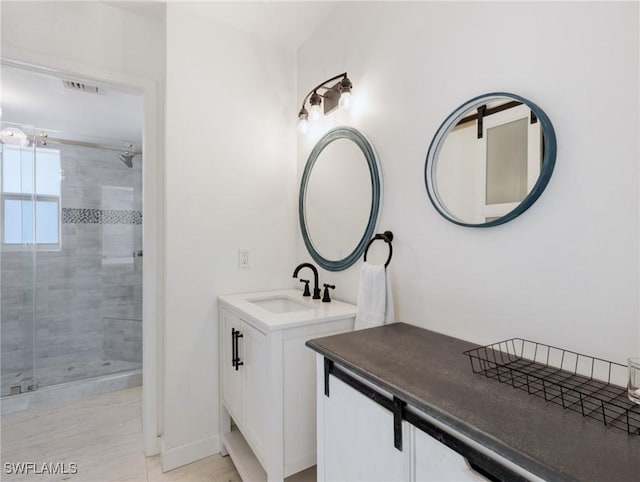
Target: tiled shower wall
{"x": 78, "y": 314}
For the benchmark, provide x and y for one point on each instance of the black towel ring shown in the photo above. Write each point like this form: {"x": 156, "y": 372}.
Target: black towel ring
{"x": 387, "y": 237}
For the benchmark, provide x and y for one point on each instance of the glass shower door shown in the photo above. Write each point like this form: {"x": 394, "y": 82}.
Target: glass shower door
{"x": 70, "y": 266}
{"x": 17, "y": 259}
{"x": 89, "y": 286}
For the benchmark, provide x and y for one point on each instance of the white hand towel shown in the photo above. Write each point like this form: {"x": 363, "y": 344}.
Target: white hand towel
{"x": 389, "y": 314}
{"x": 375, "y": 301}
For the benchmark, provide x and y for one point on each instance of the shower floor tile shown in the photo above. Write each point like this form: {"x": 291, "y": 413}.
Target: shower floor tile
{"x": 77, "y": 371}
{"x": 49, "y": 376}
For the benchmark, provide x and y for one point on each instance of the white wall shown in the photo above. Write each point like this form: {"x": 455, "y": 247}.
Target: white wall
{"x": 90, "y": 33}
{"x": 231, "y": 183}
{"x": 566, "y": 271}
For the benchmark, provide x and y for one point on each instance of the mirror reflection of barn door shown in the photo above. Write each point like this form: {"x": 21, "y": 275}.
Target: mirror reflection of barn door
{"x": 509, "y": 154}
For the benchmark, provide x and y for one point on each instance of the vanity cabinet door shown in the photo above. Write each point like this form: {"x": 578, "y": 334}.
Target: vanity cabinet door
{"x": 256, "y": 416}
{"x": 357, "y": 439}
{"x": 232, "y": 379}
{"x": 433, "y": 461}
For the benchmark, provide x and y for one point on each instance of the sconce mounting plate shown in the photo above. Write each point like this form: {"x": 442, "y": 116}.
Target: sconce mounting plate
{"x": 331, "y": 97}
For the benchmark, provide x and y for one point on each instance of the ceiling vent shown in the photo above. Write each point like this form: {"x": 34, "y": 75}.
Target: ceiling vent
{"x": 81, "y": 87}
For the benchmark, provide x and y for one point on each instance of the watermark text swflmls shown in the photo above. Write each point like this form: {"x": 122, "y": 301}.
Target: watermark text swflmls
{"x": 45, "y": 468}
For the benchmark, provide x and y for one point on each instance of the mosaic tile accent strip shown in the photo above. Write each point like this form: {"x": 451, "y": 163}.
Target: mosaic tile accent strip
{"x": 100, "y": 216}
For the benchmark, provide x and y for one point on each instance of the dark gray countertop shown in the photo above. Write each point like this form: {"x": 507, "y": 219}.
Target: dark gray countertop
{"x": 429, "y": 371}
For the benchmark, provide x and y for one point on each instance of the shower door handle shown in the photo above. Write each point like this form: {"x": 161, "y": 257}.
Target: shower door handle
{"x": 136, "y": 256}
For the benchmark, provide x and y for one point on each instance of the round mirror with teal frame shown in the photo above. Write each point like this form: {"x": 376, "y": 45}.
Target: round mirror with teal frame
{"x": 490, "y": 160}
{"x": 340, "y": 198}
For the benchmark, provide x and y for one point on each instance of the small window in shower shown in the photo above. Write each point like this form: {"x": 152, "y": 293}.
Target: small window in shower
{"x": 31, "y": 200}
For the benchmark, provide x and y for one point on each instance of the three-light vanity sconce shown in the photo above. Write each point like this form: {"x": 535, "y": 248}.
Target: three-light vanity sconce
{"x": 336, "y": 95}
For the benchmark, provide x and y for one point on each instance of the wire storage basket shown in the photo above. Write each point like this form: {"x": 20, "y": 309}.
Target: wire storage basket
{"x": 587, "y": 385}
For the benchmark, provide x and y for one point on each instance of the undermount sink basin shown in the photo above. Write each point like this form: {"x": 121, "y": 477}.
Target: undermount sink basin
{"x": 285, "y": 308}
{"x": 280, "y": 304}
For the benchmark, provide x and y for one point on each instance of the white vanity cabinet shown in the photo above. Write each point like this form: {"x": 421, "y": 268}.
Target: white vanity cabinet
{"x": 432, "y": 461}
{"x": 357, "y": 438}
{"x": 232, "y": 383}
{"x": 267, "y": 379}
{"x": 244, "y": 376}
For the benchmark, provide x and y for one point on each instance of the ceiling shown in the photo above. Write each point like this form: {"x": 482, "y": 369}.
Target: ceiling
{"x": 287, "y": 24}
{"x": 153, "y": 9}
{"x": 42, "y": 101}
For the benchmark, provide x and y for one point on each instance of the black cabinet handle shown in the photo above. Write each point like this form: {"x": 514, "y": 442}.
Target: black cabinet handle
{"x": 233, "y": 347}
{"x": 236, "y": 357}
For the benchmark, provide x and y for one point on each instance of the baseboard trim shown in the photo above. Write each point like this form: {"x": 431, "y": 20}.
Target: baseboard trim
{"x": 185, "y": 454}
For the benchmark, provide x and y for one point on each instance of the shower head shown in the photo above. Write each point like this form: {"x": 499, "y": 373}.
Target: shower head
{"x": 127, "y": 158}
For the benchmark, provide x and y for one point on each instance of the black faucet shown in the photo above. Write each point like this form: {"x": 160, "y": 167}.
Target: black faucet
{"x": 306, "y": 287}
{"x": 316, "y": 289}
{"x": 325, "y": 296}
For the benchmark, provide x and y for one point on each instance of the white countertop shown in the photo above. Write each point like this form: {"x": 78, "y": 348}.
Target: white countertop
{"x": 314, "y": 311}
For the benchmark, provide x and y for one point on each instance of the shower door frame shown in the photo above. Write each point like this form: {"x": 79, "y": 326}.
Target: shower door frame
{"x": 152, "y": 208}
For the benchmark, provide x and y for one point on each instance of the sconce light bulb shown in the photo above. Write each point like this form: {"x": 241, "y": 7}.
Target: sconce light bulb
{"x": 345, "y": 100}
{"x": 303, "y": 121}
{"x": 315, "y": 112}
{"x": 303, "y": 125}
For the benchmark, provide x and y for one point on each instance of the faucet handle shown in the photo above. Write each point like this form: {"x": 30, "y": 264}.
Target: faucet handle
{"x": 325, "y": 297}
{"x": 306, "y": 287}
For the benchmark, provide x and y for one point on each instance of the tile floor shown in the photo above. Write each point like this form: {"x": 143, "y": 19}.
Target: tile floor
{"x": 103, "y": 436}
